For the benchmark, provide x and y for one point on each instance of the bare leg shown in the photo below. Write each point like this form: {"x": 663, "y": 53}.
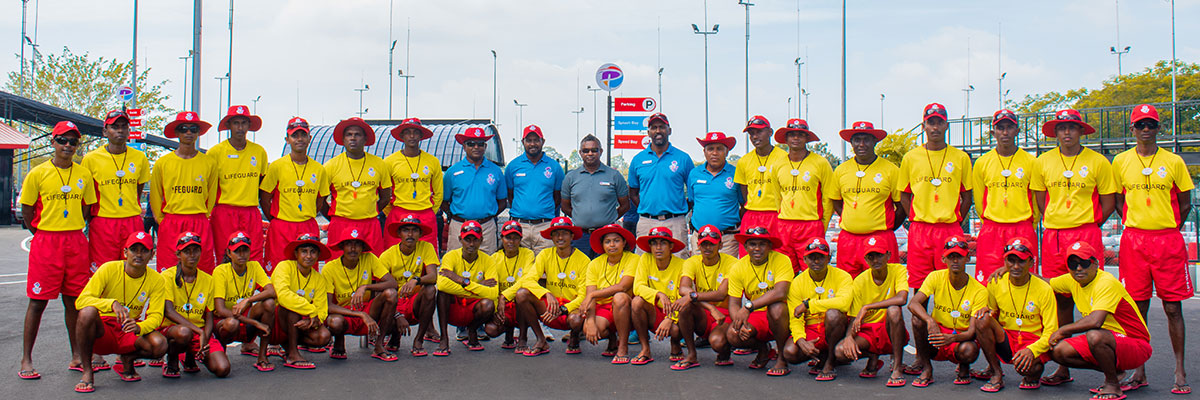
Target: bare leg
{"x": 33, "y": 322}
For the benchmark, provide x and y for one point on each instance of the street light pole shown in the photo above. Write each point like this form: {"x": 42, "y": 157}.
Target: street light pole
{"x": 185, "y": 78}
{"x": 881, "y": 97}
{"x": 406, "y": 78}
{"x": 799, "y": 87}
{"x": 806, "y": 102}
{"x": 391, "y": 59}
{"x": 360, "y": 98}
{"x": 1000, "y": 88}
{"x": 660, "y": 97}
{"x": 494, "y": 62}
{"x": 967, "y": 107}
{"x": 196, "y": 60}
{"x": 595, "y": 117}
{"x": 220, "y": 87}
{"x": 843, "y": 75}
{"x": 520, "y": 114}
{"x": 229, "y": 71}
{"x": 255, "y": 101}
{"x": 696, "y": 30}
{"x": 580, "y": 111}
{"x": 133, "y": 76}
{"x": 746, "y": 4}
{"x": 1113, "y": 49}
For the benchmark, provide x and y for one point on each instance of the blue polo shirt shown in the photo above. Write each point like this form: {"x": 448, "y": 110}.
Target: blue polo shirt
{"x": 533, "y": 186}
{"x": 660, "y": 181}
{"x": 472, "y": 192}
{"x": 715, "y": 199}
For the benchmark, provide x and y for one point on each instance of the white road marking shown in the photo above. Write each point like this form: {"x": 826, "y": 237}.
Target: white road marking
{"x": 11, "y": 283}
{"x": 25, "y": 243}
{"x": 11, "y": 275}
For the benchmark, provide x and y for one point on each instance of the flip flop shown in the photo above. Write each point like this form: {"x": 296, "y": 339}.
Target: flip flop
{"x": 191, "y": 370}
{"x": 167, "y": 373}
{"x": 418, "y": 352}
{"x": 312, "y": 349}
{"x": 1108, "y": 396}
{"x": 573, "y": 350}
{"x": 264, "y": 367}
{"x": 913, "y": 370}
{"x": 300, "y": 365}
{"x": 779, "y": 372}
{"x": 684, "y": 365}
{"x": 823, "y": 377}
{"x": 97, "y": 367}
{"x": 385, "y": 356}
{"x": 620, "y": 360}
{"x": 922, "y": 382}
{"x": 642, "y": 360}
{"x": 1135, "y": 386}
{"x": 1181, "y": 389}
{"x": 814, "y": 371}
{"x": 441, "y": 353}
{"x": 744, "y": 352}
{"x": 981, "y": 375}
{"x": 337, "y": 354}
{"x": 675, "y": 357}
{"x": 139, "y": 363}
{"x": 992, "y": 387}
{"x": 476, "y": 347}
{"x": 962, "y": 380}
{"x": 896, "y": 382}
{"x": 274, "y": 351}
{"x": 813, "y": 362}
{"x": 508, "y": 345}
{"x": 29, "y": 374}
{"x": 1055, "y": 381}
{"x": 608, "y": 353}
{"x": 520, "y": 349}
{"x": 873, "y": 372}
{"x": 392, "y": 349}
{"x": 134, "y": 378}
{"x": 153, "y": 363}
{"x": 87, "y": 387}
{"x": 757, "y": 365}
{"x": 723, "y": 363}
{"x": 536, "y": 352}
{"x": 1029, "y": 386}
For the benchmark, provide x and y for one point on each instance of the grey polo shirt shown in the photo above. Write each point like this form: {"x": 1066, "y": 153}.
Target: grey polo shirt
{"x": 594, "y": 195}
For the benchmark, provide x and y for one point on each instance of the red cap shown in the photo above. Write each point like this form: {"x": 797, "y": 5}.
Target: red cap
{"x": 534, "y": 129}
{"x": 63, "y": 128}
{"x": 352, "y": 233}
{"x": 238, "y": 240}
{"x": 1066, "y": 116}
{"x": 411, "y": 123}
{"x": 660, "y": 233}
{"x": 512, "y": 226}
{"x": 795, "y": 125}
{"x": 141, "y": 238}
{"x": 717, "y": 137}
{"x": 708, "y": 234}
{"x": 114, "y": 115}
{"x": 559, "y": 223}
{"x": 470, "y": 228}
{"x": 757, "y": 122}
{"x": 657, "y": 117}
{"x": 1019, "y": 247}
{"x": 1081, "y": 250}
{"x": 393, "y": 228}
{"x": 239, "y": 111}
{"x": 1004, "y": 114}
{"x": 816, "y": 245}
{"x": 339, "y": 131}
{"x": 955, "y": 245}
{"x": 874, "y": 245}
{"x": 862, "y": 127}
{"x": 472, "y": 133}
{"x": 1143, "y": 111}
{"x": 297, "y": 124}
{"x": 187, "y": 239}
{"x": 935, "y": 110}
{"x": 186, "y": 117}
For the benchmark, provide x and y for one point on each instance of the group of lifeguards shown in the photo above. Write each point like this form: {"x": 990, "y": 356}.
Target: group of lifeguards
{"x": 379, "y": 279}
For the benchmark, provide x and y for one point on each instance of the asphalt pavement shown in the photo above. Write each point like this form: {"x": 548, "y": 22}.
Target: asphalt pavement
{"x": 496, "y": 373}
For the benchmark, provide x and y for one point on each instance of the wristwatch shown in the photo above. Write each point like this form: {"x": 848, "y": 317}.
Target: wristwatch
{"x": 563, "y": 310}
{"x": 693, "y": 295}
{"x": 466, "y": 281}
{"x": 748, "y": 304}
{"x": 805, "y": 302}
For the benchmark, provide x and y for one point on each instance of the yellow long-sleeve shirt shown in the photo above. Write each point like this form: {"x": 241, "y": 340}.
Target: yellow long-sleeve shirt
{"x": 480, "y": 270}
{"x": 144, "y": 296}
{"x": 304, "y": 295}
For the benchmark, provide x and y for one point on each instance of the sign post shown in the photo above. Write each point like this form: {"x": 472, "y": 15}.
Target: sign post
{"x": 609, "y": 77}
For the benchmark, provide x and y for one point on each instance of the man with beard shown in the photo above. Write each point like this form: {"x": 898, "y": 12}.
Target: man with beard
{"x": 712, "y": 191}
{"x": 593, "y": 195}
{"x": 534, "y": 188}
{"x": 657, "y": 179}
{"x": 416, "y": 180}
{"x": 475, "y": 191}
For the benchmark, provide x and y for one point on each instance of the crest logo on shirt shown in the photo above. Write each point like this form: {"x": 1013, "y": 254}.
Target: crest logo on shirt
{"x": 966, "y": 305}
{"x": 1030, "y": 307}
{"x": 200, "y": 298}
{"x": 371, "y": 171}
{"x": 313, "y": 178}
{"x": 807, "y": 176}
{"x": 1020, "y": 173}
{"x": 132, "y": 168}
{"x": 79, "y": 183}
{"x": 1083, "y": 171}
{"x": 1162, "y": 172}
{"x": 199, "y": 178}
{"x": 573, "y": 275}
{"x": 93, "y": 268}
{"x": 479, "y": 276}
{"x": 547, "y": 173}
{"x": 253, "y": 161}
{"x": 878, "y": 177}
{"x": 949, "y": 166}
{"x": 871, "y": 241}
{"x": 670, "y": 285}
{"x": 364, "y": 275}
{"x": 37, "y": 287}
{"x": 426, "y": 169}
{"x": 720, "y": 277}
{"x": 729, "y": 183}
{"x": 141, "y": 297}
{"x": 491, "y": 179}
{"x": 674, "y": 166}
{"x": 770, "y": 276}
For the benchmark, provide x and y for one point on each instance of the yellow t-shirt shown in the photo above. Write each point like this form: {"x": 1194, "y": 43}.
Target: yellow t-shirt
{"x": 295, "y": 202}
{"x": 707, "y": 278}
{"x": 649, "y": 280}
{"x": 1029, "y": 308}
{"x": 422, "y": 192}
{"x": 356, "y": 202}
{"x": 117, "y": 196}
{"x": 1001, "y": 198}
{"x": 409, "y": 266}
{"x": 1105, "y": 293}
{"x": 564, "y": 278}
{"x": 751, "y": 281}
{"x": 757, "y": 174}
{"x": 1154, "y": 197}
{"x": 921, "y": 168}
{"x": 601, "y": 274}
{"x": 802, "y": 187}
{"x": 183, "y": 186}
{"x": 144, "y": 296}
{"x": 869, "y": 201}
{"x": 304, "y": 295}
{"x": 344, "y": 281}
{"x": 1075, "y": 200}
{"x": 56, "y": 209}
{"x": 239, "y": 173}
{"x": 948, "y": 301}
{"x": 228, "y": 285}
{"x": 509, "y": 271}
{"x": 865, "y": 291}
{"x": 191, "y": 300}
{"x": 480, "y": 270}
{"x": 831, "y": 293}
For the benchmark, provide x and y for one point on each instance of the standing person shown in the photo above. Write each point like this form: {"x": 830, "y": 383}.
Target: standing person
{"x": 758, "y": 290}
{"x": 58, "y": 261}
{"x": 534, "y": 188}
{"x": 241, "y": 165}
{"x": 936, "y": 184}
{"x": 183, "y": 189}
{"x": 712, "y": 191}
{"x": 755, "y": 177}
{"x": 802, "y": 180}
{"x": 188, "y": 314}
{"x": 1002, "y": 196}
{"x": 414, "y": 262}
{"x": 705, "y": 285}
{"x": 877, "y": 322}
{"x": 866, "y": 196}
{"x": 657, "y": 179}
{"x": 1153, "y": 255}
{"x": 1074, "y": 191}
{"x": 475, "y": 191}
{"x": 466, "y": 289}
{"x": 119, "y": 173}
{"x": 302, "y": 295}
{"x": 946, "y": 333}
{"x": 818, "y": 300}
{"x": 292, "y": 192}
{"x": 116, "y": 320}
{"x": 362, "y": 295}
{"x": 416, "y": 180}
{"x": 1017, "y": 331}
{"x": 361, "y": 185}
{"x": 594, "y": 194}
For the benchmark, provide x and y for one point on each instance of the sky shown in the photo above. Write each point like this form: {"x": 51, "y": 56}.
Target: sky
{"x": 306, "y": 57}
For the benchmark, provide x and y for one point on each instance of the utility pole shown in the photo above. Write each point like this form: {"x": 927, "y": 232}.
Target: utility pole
{"x": 229, "y": 71}
{"x": 577, "y": 112}
{"x": 595, "y": 107}
{"x": 843, "y": 75}
{"x": 799, "y": 87}
{"x": 494, "y": 62}
{"x": 696, "y": 30}
{"x": 360, "y": 98}
{"x": 391, "y": 52}
{"x": 1113, "y": 49}
{"x": 133, "y": 76}
{"x": 407, "y": 64}
{"x": 746, "y": 4}
{"x": 196, "y": 42}
{"x": 406, "y": 78}
{"x": 881, "y": 97}
{"x": 185, "y": 78}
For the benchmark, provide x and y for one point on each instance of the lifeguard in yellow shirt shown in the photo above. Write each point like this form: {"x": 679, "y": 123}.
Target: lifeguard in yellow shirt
{"x": 362, "y": 295}
{"x": 361, "y": 185}
{"x": 415, "y": 263}
{"x": 241, "y": 165}
{"x": 704, "y": 284}
{"x": 188, "y": 323}
{"x": 466, "y": 289}
{"x": 183, "y": 189}
{"x": 866, "y": 195}
{"x": 302, "y": 295}
{"x": 755, "y": 177}
{"x": 946, "y": 333}
{"x": 877, "y": 322}
{"x": 803, "y": 180}
{"x": 758, "y": 289}
{"x": 606, "y": 298}
{"x": 656, "y": 302}
{"x": 1002, "y": 196}
{"x": 1019, "y": 319}
{"x": 291, "y": 194}
{"x": 511, "y": 262}
{"x": 557, "y": 303}
{"x": 417, "y": 186}
{"x": 818, "y": 300}
{"x": 243, "y": 301}
{"x": 119, "y": 173}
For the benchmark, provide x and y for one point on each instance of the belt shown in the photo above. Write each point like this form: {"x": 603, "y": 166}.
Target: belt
{"x": 730, "y": 231}
{"x": 483, "y": 220}
{"x": 532, "y": 221}
{"x": 662, "y": 217}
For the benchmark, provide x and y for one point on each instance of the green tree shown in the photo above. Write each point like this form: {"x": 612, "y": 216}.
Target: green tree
{"x": 897, "y": 144}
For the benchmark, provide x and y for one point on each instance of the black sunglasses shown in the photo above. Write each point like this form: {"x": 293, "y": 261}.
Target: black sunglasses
{"x": 798, "y": 126}
{"x": 1077, "y": 263}
{"x": 817, "y": 246}
{"x": 190, "y": 238}
{"x": 238, "y": 240}
{"x": 472, "y": 228}
{"x": 658, "y": 233}
{"x": 475, "y": 143}
{"x": 413, "y": 221}
{"x": 710, "y": 234}
{"x": 588, "y": 151}
{"x": 517, "y": 226}
{"x": 115, "y": 114}
{"x": 66, "y": 141}
{"x": 1144, "y": 124}
{"x": 193, "y": 128}
{"x": 1017, "y": 247}
{"x": 298, "y": 125}
{"x": 1069, "y": 117}
{"x": 758, "y": 230}
{"x": 956, "y": 243}
{"x": 308, "y": 236}
{"x": 554, "y": 225}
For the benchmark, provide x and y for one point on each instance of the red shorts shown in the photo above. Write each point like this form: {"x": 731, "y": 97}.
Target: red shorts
{"x": 796, "y": 235}
{"x": 214, "y": 345}
{"x": 1056, "y": 241}
{"x": 57, "y": 264}
{"x": 852, "y": 249}
{"x": 462, "y": 311}
{"x": 355, "y": 325}
{"x": 659, "y": 316}
{"x": 1017, "y": 341}
{"x": 227, "y": 219}
{"x": 426, "y": 216}
{"x": 925, "y": 244}
{"x": 1131, "y": 353}
{"x": 712, "y": 324}
{"x": 877, "y": 337}
{"x": 605, "y": 311}
{"x": 816, "y": 331}
{"x": 754, "y": 218}
{"x": 947, "y": 352}
{"x": 1155, "y": 261}
{"x": 368, "y": 229}
{"x": 114, "y": 340}
{"x": 168, "y": 232}
{"x": 559, "y": 323}
{"x": 993, "y": 236}
{"x": 762, "y": 326}
{"x": 280, "y": 233}
{"x": 279, "y": 331}
{"x": 106, "y": 238}
{"x": 404, "y": 306}
{"x": 510, "y": 313}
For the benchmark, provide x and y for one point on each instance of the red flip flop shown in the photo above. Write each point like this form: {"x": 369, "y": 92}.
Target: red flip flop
{"x": 441, "y": 353}
{"x": 620, "y": 360}
{"x": 419, "y": 353}
{"x": 88, "y": 387}
{"x": 300, "y": 365}
{"x": 388, "y": 357}
{"x": 478, "y": 347}
{"x": 1055, "y": 382}
{"x": 29, "y": 375}
{"x": 684, "y": 366}
{"x": 639, "y": 360}
{"x": 264, "y": 368}
{"x": 166, "y": 373}
{"x": 573, "y": 350}
{"x": 535, "y": 352}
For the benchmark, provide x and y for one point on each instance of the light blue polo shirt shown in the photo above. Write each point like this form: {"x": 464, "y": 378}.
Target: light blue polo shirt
{"x": 660, "y": 181}
{"x": 715, "y": 199}
{"x": 472, "y": 192}
{"x": 533, "y": 187}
